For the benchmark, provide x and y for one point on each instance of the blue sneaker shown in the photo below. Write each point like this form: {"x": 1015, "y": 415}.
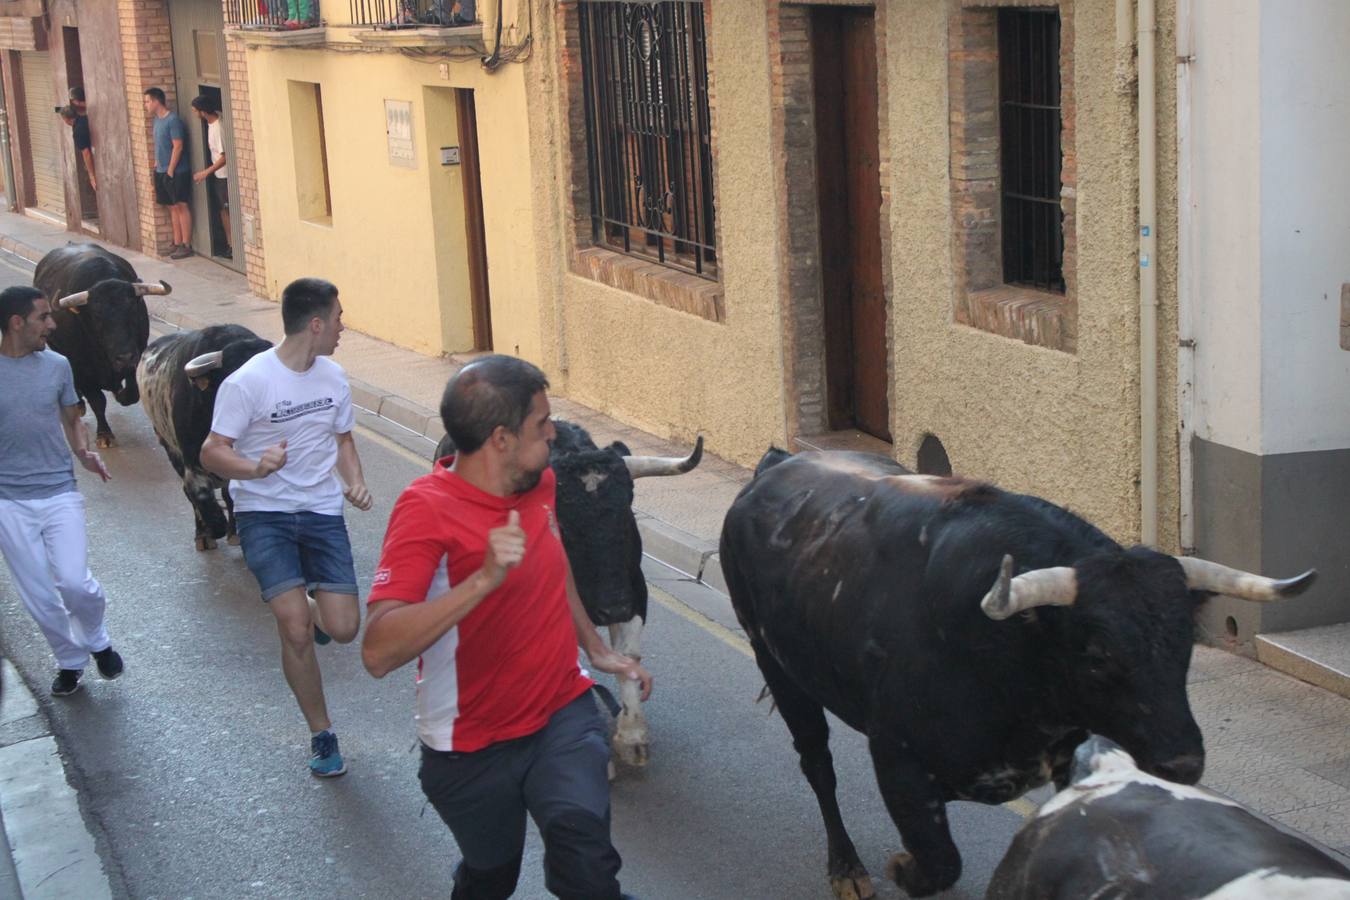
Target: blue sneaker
{"x": 325, "y": 761}
{"x": 321, "y": 637}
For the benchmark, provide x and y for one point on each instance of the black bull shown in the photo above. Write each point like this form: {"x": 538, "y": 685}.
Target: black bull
{"x": 179, "y": 376}
{"x": 600, "y": 533}
{"x": 102, "y": 324}
{"x": 889, "y": 599}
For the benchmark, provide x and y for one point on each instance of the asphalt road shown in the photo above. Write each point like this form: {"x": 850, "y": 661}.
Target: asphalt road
{"x": 191, "y": 768}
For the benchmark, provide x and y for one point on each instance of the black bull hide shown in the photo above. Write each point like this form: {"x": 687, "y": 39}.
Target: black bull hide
{"x": 103, "y": 336}
{"x": 974, "y": 635}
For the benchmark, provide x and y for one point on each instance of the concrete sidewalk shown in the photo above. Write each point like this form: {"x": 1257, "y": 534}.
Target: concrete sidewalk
{"x": 1275, "y": 743}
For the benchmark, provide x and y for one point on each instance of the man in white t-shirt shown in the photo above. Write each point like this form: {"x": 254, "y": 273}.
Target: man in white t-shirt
{"x": 282, "y": 434}
{"x": 208, "y": 110}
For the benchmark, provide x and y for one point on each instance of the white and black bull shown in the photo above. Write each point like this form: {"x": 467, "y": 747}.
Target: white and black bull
{"x": 102, "y": 324}
{"x": 180, "y": 375}
{"x": 974, "y": 636}
{"x": 1117, "y": 832}
{"x": 600, "y": 533}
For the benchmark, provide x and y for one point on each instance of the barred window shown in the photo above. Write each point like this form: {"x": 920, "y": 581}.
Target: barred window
{"x": 648, "y": 137}
{"x": 1029, "y": 138}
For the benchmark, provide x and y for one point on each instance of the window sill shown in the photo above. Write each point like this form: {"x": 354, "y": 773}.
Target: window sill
{"x": 1039, "y": 318}
{"x": 321, "y": 221}
{"x": 659, "y": 284}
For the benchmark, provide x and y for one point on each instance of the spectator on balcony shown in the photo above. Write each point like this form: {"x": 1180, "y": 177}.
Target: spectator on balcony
{"x": 301, "y": 14}
{"x": 442, "y": 12}
{"x": 84, "y": 143}
{"x": 208, "y": 110}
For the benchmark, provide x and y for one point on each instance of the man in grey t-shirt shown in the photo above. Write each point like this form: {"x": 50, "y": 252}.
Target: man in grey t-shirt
{"x": 42, "y": 530}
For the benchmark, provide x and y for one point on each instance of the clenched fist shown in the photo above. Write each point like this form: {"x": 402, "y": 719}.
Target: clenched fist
{"x": 273, "y": 458}
{"x": 505, "y": 550}
{"x": 358, "y": 495}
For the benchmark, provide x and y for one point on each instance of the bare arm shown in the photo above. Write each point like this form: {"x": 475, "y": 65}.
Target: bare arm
{"x": 601, "y": 656}
{"x": 78, "y": 440}
{"x": 349, "y": 467}
{"x": 220, "y": 458}
{"x": 209, "y": 170}
{"x": 89, "y": 166}
{"x": 399, "y": 632}
{"x": 173, "y": 158}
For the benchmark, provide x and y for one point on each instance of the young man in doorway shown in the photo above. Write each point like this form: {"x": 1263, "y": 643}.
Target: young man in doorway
{"x": 42, "y": 525}
{"x": 282, "y": 434}
{"x": 216, "y": 175}
{"x": 84, "y": 144}
{"x": 173, "y": 174}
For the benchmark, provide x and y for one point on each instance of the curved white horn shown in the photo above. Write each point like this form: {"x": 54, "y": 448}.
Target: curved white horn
{"x": 145, "y": 287}
{"x": 200, "y": 365}
{"x": 1203, "y": 575}
{"x": 642, "y": 466}
{"x": 1056, "y": 586}
{"x": 70, "y": 301}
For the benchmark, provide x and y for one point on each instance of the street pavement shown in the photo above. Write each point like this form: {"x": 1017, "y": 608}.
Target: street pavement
{"x": 190, "y": 770}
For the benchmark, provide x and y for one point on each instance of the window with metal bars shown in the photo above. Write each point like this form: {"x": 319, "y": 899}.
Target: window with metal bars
{"x": 1029, "y": 142}
{"x": 648, "y": 135}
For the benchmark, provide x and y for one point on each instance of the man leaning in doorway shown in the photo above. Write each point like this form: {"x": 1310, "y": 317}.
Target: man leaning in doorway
{"x": 84, "y": 143}
{"x": 173, "y": 175}
{"x": 282, "y": 433}
{"x": 208, "y": 110}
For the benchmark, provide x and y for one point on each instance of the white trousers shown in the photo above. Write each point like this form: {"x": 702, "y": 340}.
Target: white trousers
{"x": 45, "y": 545}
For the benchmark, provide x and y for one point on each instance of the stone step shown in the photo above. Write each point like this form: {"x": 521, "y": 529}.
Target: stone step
{"x": 1319, "y": 656}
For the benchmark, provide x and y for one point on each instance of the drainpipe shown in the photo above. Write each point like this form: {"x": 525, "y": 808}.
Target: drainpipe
{"x": 11, "y": 198}
{"x": 1187, "y": 275}
{"x": 1148, "y": 279}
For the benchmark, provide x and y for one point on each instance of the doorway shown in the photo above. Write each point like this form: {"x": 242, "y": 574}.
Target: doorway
{"x": 844, "y": 65}
{"x": 88, "y": 200}
{"x": 197, "y": 30}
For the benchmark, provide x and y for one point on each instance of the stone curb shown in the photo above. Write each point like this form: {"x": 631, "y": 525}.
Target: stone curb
{"x": 660, "y": 540}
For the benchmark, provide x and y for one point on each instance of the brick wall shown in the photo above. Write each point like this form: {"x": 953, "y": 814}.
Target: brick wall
{"x": 245, "y": 164}
{"x": 981, "y": 299}
{"x": 147, "y": 55}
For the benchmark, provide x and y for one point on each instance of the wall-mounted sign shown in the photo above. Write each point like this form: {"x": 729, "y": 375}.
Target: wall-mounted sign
{"x": 399, "y": 127}
{"x": 449, "y": 156}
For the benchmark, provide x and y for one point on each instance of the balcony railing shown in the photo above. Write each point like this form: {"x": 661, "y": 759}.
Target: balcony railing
{"x": 386, "y": 14}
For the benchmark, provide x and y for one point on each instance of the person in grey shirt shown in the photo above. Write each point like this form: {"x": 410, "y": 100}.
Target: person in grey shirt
{"x": 42, "y": 529}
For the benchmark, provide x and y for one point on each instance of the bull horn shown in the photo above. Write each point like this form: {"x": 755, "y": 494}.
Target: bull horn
{"x": 1010, "y": 595}
{"x": 1203, "y": 575}
{"x": 144, "y": 287}
{"x": 642, "y": 466}
{"x": 70, "y": 301}
{"x": 200, "y": 365}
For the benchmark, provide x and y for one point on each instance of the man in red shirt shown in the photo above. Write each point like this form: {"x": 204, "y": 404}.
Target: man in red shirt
{"x": 474, "y": 582}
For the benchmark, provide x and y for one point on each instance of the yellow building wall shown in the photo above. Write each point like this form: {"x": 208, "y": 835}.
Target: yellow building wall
{"x": 394, "y": 244}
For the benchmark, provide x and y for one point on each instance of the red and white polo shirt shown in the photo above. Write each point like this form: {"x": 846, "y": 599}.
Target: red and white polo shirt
{"x": 511, "y": 663}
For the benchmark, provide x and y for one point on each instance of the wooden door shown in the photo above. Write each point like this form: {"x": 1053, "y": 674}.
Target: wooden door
{"x": 844, "y": 62}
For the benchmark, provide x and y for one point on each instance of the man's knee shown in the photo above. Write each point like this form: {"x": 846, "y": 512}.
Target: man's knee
{"x": 579, "y": 859}
{"x": 486, "y": 884}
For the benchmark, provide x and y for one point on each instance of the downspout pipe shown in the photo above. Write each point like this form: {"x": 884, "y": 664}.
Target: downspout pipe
{"x": 11, "y": 198}
{"x": 1148, "y": 272}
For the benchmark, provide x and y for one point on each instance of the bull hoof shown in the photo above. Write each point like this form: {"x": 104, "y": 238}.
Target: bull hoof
{"x": 633, "y": 754}
{"x": 233, "y": 540}
{"x": 856, "y": 885}
{"x": 206, "y": 543}
{"x": 896, "y": 866}
{"x": 105, "y": 440}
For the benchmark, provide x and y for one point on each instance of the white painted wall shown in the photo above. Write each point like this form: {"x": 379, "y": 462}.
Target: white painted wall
{"x": 1271, "y": 170}
{"x": 1305, "y": 223}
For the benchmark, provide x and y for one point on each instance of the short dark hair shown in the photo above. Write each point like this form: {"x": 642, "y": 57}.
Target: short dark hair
{"x": 207, "y": 104}
{"x": 76, "y": 94}
{"x": 492, "y": 391}
{"x": 158, "y": 94}
{"x": 303, "y": 299}
{"x": 69, "y": 112}
{"x": 17, "y": 301}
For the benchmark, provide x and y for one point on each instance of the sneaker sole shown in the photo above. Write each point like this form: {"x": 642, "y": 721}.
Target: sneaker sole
{"x": 74, "y": 690}
{"x": 113, "y": 677}
{"x": 317, "y": 774}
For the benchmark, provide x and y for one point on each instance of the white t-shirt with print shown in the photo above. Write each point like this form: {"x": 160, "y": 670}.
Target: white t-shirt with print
{"x": 215, "y": 141}
{"x": 265, "y": 402}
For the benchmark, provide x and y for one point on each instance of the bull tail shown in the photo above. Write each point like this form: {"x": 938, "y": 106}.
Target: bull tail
{"x": 765, "y": 692}
{"x": 772, "y": 457}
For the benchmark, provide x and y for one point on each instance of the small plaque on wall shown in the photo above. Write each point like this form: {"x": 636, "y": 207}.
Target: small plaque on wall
{"x": 399, "y": 128}
{"x": 449, "y": 156}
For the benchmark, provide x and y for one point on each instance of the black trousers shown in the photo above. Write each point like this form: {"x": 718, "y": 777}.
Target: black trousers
{"x": 559, "y": 776}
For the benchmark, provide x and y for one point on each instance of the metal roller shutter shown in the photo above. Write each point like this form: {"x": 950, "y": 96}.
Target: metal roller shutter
{"x": 43, "y": 136}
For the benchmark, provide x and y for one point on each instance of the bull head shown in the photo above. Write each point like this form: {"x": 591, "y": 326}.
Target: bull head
{"x": 643, "y": 466}
{"x": 1058, "y": 586}
{"x": 198, "y": 368}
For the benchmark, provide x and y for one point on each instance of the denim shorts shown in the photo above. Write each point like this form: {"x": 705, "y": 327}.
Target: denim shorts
{"x": 289, "y": 550}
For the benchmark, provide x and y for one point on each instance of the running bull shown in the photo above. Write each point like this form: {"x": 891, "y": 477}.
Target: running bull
{"x": 180, "y": 375}
{"x": 600, "y": 533}
{"x": 1118, "y": 832}
{"x": 975, "y": 636}
{"x": 102, "y": 325}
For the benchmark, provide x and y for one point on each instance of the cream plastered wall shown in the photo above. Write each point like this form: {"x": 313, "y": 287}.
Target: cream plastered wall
{"x": 1062, "y": 426}
{"x": 668, "y": 372}
{"x": 394, "y": 245}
